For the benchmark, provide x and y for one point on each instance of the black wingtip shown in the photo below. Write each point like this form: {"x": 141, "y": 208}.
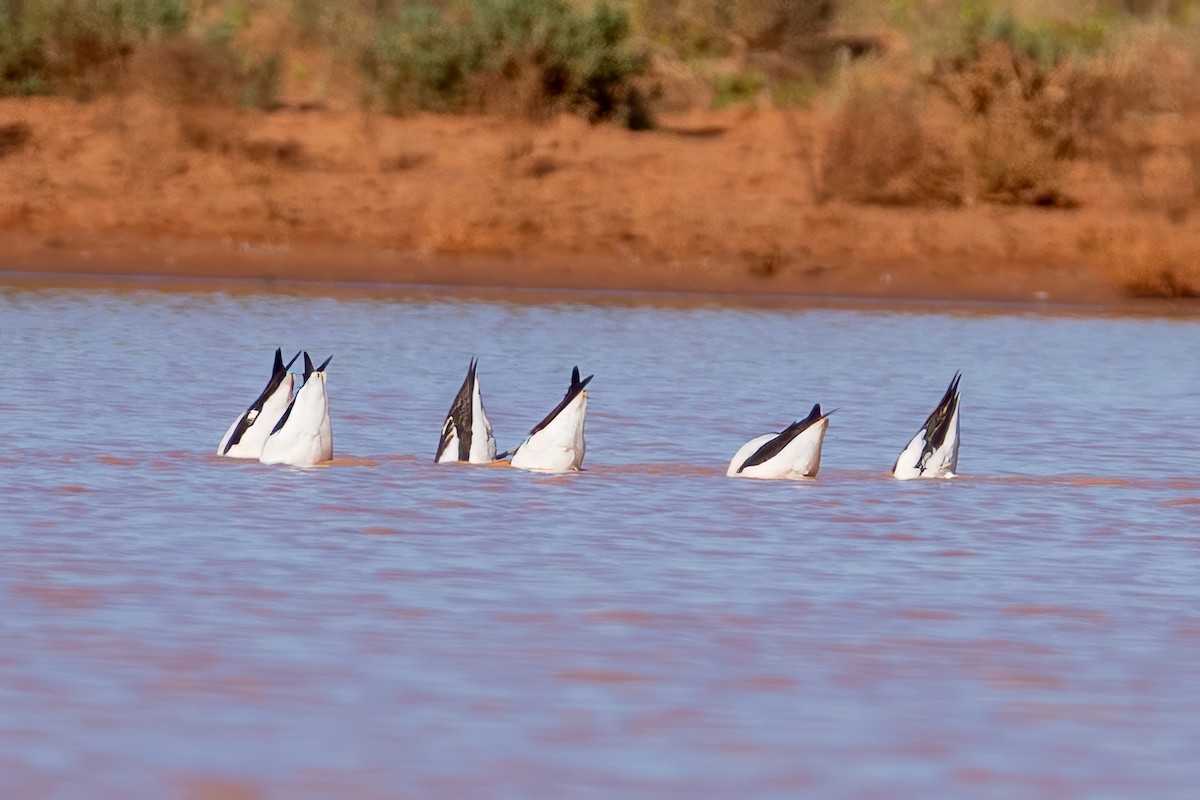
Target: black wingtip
{"x": 308, "y": 365}
{"x": 279, "y": 367}
{"x": 814, "y": 416}
{"x": 324, "y": 364}
{"x": 952, "y": 389}
{"x": 577, "y": 385}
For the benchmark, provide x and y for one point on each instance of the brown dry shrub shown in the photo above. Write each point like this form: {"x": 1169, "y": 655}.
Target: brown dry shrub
{"x": 1146, "y": 261}
{"x": 718, "y": 27}
{"x": 997, "y": 94}
{"x": 187, "y": 72}
{"x": 888, "y": 145}
{"x": 404, "y": 161}
{"x": 209, "y": 129}
{"x": 288, "y": 153}
{"x": 1090, "y": 104}
{"x": 1191, "y": 151}
{"x": 13, "y": 137}
{"x": 1013, "y": 164}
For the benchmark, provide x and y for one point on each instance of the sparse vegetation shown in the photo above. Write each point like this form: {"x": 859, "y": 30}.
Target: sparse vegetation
{"x": 741, "y": 88}
{"x": 78, "y": 46}
{"x": 886, "y": 146}
{"x": 1012, "y": 101}
{"x": 530, "y": 56}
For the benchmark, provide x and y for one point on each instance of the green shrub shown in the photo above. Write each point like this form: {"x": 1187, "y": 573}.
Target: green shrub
{"x": 74, "y": 44}
{"x": 739, "y": 88}
{"x": 22, "y": 62}
{"x": 1045, "y": 41}
{"x": 261, "y": 79}
{"x": 422, "y": 60}
{"x": 548, "y": 54}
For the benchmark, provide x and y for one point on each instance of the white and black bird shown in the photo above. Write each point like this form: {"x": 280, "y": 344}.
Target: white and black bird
{"x": 794, "y": 452}
{"x": 248, "y": 433}
{"x": 466, "y": 433}
{"x": 556, "y": 443}
{"x": 303, "y": 436}
{"x": 933, "y": 452}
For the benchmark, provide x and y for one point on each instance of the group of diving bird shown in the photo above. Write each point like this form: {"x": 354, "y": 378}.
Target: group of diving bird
{"x": 288, "y": 426}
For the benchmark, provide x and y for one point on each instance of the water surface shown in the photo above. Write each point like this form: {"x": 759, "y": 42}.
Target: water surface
{"x": 176, "y": 624}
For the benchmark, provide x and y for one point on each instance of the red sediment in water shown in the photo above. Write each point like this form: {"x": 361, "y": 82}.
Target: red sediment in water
{"x": 627, "y": 616}
{"x": 977, "y": 776}
{"x": 72, "y": 597}
{"x": 1079, "y": 614}
{"x": 1024, "y": 680}
{"x": 1084, "y": 480}
{"x": 600, "y": 676}
{"x": 531, "y": 617}
{"x": 656, "y": 720}
{"x": 927, "y": 614}
{"x": 352, "y": 461}
{"x": 210, "y": 788}
{"x": 341, "y": 509}
{"x": 444, "y": 503}
{"x": 116, "y": 461}
{"x": 768, "y": 683}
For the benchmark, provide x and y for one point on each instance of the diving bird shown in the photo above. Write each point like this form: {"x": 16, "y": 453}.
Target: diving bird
{"x": 248, "y": 433}
{"x": 303, "y": 436}
{"x": 556, "y": 443}
{"x": 933, "y": 452}
{"x": 466, "y": 433}
{"x": 794, "y": 452}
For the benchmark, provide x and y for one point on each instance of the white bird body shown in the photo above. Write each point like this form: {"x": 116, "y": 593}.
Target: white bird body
{"x": 933, "y": 452}
{"x": 248, "y": 433}
{"x": 792, "y": 453}
{"x": 303, "y": 436}
{"x": 556, "y": 444}
{"x": 466, "y": 433}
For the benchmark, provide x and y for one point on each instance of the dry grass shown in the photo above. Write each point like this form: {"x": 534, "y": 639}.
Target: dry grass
{"x": 996, "y": 125}
{"x": 1144, "y": 261}
{"x": 892, "y": 142}
{"x": 883, "y": 148}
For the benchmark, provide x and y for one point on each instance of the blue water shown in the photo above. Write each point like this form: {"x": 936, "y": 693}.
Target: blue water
{"x": 179, "y": 625}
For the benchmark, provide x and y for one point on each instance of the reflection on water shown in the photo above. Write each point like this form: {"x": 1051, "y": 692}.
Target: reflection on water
{"x": 176, "y": 624}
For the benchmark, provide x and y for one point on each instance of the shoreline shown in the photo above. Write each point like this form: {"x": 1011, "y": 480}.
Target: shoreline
{"x": 79, "y": 257}
{"x": 100, "y": 273}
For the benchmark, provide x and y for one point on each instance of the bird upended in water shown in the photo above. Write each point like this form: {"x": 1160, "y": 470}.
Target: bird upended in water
{"x": 248, "y": 433}
{"x": 794, "y": 452}
{"x": 933, "y": 452}
{"x": 303, "y": 436}
{"x": 466, "y": 433}
{"x": 556, "y": 443}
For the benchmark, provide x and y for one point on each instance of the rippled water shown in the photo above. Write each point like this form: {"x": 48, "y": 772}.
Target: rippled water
{"x": 175, "y": 624}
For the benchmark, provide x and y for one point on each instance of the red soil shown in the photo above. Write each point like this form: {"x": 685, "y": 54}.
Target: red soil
{"x": 712, "y": 202}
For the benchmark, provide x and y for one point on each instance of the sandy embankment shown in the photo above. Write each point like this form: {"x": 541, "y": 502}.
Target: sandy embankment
{"x": 713, "y": 202}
